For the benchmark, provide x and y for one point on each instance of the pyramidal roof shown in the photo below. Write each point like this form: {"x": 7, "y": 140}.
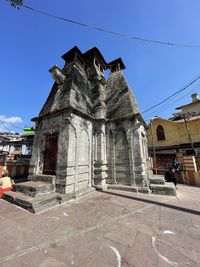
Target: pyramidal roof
{"x": 77, "y": 91}
{"x": 120, "y": 100}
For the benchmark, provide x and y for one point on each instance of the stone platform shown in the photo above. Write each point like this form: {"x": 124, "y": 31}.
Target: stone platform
{"x": 157, "y": 185}
{"x": 163, "y": 189}
{"x": 36, "y": 196}
{"x": 32, "y": 204}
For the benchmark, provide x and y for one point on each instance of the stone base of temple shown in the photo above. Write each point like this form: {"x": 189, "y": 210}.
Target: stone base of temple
{"x": 163, "y": 189}
{"x": 32, "y": 204}
{"x": 40, "y": 196}
{"x": 37, "y": 196}
{"x": 122, "y": 187}
{"x": 42, "y": 178}
{"x": 158, "y": 186}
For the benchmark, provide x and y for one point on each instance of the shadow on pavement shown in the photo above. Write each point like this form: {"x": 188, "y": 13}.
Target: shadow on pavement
{"x": 155, "y": 203}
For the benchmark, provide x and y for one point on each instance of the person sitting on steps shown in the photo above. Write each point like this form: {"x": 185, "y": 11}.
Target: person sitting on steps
{"x": 6, "y": 183}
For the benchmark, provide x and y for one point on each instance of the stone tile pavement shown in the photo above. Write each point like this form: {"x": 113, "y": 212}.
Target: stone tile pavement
{"x": 104, "y": 229}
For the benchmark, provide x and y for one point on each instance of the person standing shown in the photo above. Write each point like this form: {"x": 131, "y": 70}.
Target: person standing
{"x": 170, "y": 176}
{"x": 175, "y": 165}
{"x": 173, "y": 176}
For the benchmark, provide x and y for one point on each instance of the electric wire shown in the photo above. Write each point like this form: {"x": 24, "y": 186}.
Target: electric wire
{"x": 122, "y": 35}
{"x": 5, "y": 126}
{"x": 172, "y": 95}
{"x": 172, "y": 101}
{"x": 138, "y": 38}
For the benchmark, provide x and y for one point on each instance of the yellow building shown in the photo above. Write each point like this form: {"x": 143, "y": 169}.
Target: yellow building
{"x": 170, "y": 137}
{"x": 177, "y": 137}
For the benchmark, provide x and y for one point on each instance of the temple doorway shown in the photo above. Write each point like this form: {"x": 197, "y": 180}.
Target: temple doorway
{"x": 50, "y": 154}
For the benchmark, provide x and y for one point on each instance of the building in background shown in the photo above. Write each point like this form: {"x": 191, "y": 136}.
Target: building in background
{"x": 177, "y": 137}
{"x": 27, "y": 141}
{"x": 10, "y": 144}
{"x": 15, "y": 152}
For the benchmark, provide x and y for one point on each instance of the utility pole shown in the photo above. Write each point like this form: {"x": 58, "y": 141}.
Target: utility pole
{"x": 154, "y": 151}
{"x": 188, "y": 131}
{"x": 190, "y": 139}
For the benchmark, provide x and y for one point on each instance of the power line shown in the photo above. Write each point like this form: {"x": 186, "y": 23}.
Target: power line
{"x": 172, "y": 95}
{"x": 138, "y": 38}
{"x": 4, "y": 125}
{"x": 172, "y": 101}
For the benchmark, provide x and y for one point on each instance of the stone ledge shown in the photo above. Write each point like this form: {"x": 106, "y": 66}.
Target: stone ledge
{"x": 62, "y": 198}
{"x": 144, "y": 190}
{"x": 123, "y": 187}
{"x": 135, "y": 189}
{"x": 43, "y": 178}
{"x": 166, "y": 189}
{"x": 34, "y": 205}
{"x": 101, "y": 187}
{"x": 157, "y": 179}
{"x": 34, "y": 189}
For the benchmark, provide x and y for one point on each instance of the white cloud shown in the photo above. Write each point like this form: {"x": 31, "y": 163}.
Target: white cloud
{"x": 10, "y": 120}
{"x": 7, "y": 122}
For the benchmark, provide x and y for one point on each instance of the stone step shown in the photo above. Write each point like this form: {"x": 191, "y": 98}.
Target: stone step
{"x": 157, "y": 179}
{"x": 34, "y": 205}
{"x": 122, "y": 187}
{"x": 144, "y": 190}
{"x": 75, "y": 195}
{"x": 163, "y": 189}
{"x": 44, "y": 178}
{"x": 34, "y": 189}
{"x": 84, "y": 192}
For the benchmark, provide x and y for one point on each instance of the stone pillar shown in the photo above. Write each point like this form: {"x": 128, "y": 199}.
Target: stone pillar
{"x": 34, "y": 167}
{"x": 100, "y": 159}
{"x": 62, "y": 160}
{"x": 113, "y": 168}
{"x": 131, "y": 156}
{"x": 141, "y": 179}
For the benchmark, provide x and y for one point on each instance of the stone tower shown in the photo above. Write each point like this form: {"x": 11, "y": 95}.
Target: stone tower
{"x": 90, "y": 131}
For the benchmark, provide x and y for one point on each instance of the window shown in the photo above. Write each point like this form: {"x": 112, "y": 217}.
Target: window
{"x": 160, "y": 133}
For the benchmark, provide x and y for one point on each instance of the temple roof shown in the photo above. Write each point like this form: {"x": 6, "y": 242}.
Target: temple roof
{"x": 71, "y": 53}
{"x": 95, "y": 53}
{"x": 120, "y": 100}
{"x": 116, "y": 64}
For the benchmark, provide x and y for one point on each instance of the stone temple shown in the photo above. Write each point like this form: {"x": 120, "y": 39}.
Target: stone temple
{"x": 89, "y": 133}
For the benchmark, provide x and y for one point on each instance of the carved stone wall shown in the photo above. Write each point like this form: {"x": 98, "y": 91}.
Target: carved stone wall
{"x": 101, "y": 134}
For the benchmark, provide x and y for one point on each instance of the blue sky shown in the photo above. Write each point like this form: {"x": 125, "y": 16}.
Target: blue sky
{"x": 31, "y": 43}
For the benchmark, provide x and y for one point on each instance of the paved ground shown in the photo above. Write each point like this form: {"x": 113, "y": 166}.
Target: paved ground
{"x": 114, "y": 228}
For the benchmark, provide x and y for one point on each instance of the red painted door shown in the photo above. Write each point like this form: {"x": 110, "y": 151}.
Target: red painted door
{"x": 50, "y": 154}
